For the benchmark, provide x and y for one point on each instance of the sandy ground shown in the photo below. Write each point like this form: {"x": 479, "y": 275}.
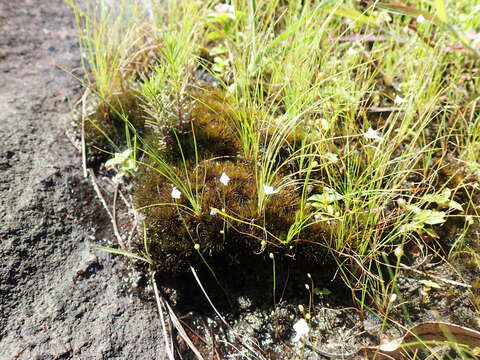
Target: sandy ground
{"x": 59, "y": 299}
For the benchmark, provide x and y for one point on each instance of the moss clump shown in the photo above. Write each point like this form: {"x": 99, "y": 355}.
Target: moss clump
{"x": 173, "y": 231}
{"x": 213, "y": 124}
{"x": 199, "y": 151}
{"x": 207, "y": 132}
{"x": 105, "y": 128}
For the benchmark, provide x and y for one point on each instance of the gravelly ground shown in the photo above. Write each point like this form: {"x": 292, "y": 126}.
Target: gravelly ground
{"x": 58, "y": 298}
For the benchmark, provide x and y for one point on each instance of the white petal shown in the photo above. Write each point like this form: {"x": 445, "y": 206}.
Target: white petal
{"x": 399, "y": 100}
{"x": 224, "y": 179}
{"x": 269, "y": 190}
{"x": 301, "y": 328}
{"x": 176, "y": 193}
{"x": 421, "y": 19}
{"x": 373, "y": 135}
{"x": 393, "y": 298}
{"x": 213, "y": 212}
{"x": 224, "y": 8}
{"x": 352, "y": 52}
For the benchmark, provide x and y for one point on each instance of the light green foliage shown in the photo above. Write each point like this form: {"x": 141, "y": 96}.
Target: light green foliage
{"x": 429, "y": 217}
{"x": 443, "y": 199}
{"x": 124, "y": 160}
{"x": 430, "y": 284}
{"x": 321, "y": 200}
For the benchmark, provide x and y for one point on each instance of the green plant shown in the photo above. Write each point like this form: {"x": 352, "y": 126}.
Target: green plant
{"x": 305, "y": 130}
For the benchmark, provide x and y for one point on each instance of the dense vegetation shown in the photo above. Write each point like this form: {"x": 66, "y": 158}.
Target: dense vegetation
{"x": 312, "y": 132}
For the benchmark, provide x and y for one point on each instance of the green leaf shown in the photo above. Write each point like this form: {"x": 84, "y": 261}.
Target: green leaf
{"x": 353, "y": 15}
{"x": 331, "y": 157}
{"x": 430, "y": 284}
{"x": 455, "y": 205}
{"x": 329, "y": 195}
{"x": 443, "y": 199}
{"x": 413, "y": 208}
{"x": 218, "y": 50}
{"x": 124, "y": 160}
{"x": 430, "y": 217}
{"x": 441, "y": 12}
{"x": 214, "y": 35}
{"x": 121, "y": 252}
{"x": 323, "y": 291}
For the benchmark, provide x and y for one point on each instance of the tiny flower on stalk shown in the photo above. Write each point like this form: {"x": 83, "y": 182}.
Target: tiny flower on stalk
{"x": 176, "y": 194}
{"x": 301, "y": 329}
{"x": 269, "y": 190}
{"x": 373, "y": 135}
{"x": 226, "y": 10}
{"x": 392, "y": 298}
{"x": 399, "y": 100}
{"x": 421, "y": 19}
{"x": 224, "y": 179}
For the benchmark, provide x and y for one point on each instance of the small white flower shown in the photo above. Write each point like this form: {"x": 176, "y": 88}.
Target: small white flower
{"x": 269, "y": 190}
{"x": 224, "y": 8}
{"x": 399, "y": 100}
{"x": 421, "y": 19}
{"x": 176, "y": 193}
{"x": 213, "y": 211}
{"x": 392, "y": 298}
{"x": 352, "y": 51}
{"x": 301, "y": 329}
{"x": 224, "y": 179}
{"x": 373, "y": 135}
{"x": 324, "y": 124}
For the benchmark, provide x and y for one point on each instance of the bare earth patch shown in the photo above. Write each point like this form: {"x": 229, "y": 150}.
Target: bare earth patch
{"x": 58, "y": 299}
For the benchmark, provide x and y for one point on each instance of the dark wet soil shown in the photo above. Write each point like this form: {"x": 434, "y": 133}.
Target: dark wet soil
{"x": 59, "y": 299}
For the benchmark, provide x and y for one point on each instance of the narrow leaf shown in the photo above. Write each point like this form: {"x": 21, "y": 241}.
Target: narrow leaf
{"x": 441, "y": 12}
{"x": 430, "y": 284}
{"x": 455, "y": 205}
{"x": 120, "y": 252}
{"x": 353, "y": 15}
{"x": 406, "y": 10}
